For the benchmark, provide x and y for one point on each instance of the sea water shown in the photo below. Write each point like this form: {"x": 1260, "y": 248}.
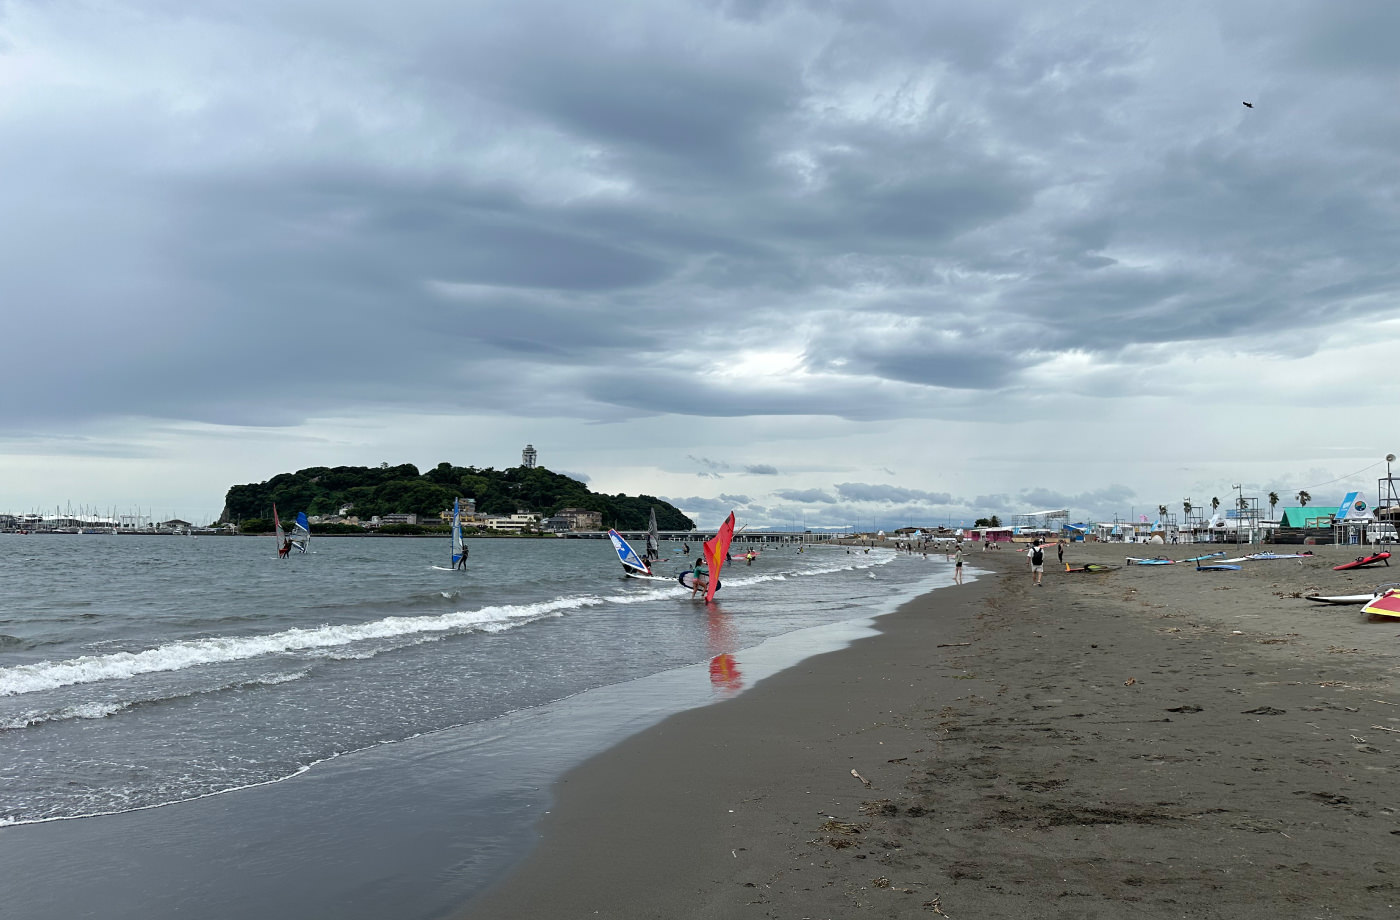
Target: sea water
{"x": 156, "y": 673}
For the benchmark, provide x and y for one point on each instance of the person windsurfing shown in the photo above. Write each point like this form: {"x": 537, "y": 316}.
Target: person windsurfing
{"x": 284, "y": 550}
{"x": 699, "y": 576}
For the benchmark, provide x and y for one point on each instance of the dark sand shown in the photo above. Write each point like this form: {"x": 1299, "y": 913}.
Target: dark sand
{"x": 1151, "y": 742}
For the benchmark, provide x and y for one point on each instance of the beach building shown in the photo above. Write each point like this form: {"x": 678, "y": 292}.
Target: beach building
{"x": 519, "y": 522}
{"x": 568, "y": 520}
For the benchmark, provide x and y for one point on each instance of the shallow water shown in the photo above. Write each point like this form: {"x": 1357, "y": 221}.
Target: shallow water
{"x": 142, "y": 671}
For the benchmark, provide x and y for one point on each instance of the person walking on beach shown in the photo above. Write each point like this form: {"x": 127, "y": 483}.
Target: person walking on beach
{"x": 957, "y": 565}
{"x": 1036, "y": 556}
{"x": 1060, "y": 549}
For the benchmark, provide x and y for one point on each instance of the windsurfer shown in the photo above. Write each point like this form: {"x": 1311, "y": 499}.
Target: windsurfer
{"x": 700, "y": 576}
{"x": 285, "y": 549}
{"x": 462, "y": 559}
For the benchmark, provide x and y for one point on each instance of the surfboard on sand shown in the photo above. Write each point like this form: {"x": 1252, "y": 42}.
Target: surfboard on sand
{"x": 1340, "y": 599}
{"x": 1360, "y": 561}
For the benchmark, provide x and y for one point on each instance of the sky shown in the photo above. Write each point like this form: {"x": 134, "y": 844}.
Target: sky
{"x": 826, "y": 264}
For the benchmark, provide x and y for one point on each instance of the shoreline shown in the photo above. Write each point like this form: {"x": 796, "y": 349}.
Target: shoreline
{"x": 1153, "y": 740}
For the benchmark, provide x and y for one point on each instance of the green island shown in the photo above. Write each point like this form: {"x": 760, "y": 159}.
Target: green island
{"x": 352, "y": 495}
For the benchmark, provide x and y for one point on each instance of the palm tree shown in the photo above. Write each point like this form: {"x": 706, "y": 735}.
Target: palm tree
{"x": 1273, "y": 500}
{"x": 1162, "y": 510}
{"x": 1214, "y": 505}
{"x": 1304, "y": 498}
{"x": 1186, "y": 507}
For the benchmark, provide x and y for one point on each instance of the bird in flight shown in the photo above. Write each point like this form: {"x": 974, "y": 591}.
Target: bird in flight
{"x": 1249, "y": 105}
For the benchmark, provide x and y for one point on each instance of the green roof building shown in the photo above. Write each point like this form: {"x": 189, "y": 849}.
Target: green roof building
{"x": 1314, "y": 518}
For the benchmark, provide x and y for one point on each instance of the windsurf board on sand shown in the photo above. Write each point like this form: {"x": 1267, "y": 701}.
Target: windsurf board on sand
{"x": 1360, "y": 561}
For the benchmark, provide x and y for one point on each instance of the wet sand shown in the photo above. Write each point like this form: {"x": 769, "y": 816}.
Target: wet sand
{"x": 1153, "y": 741}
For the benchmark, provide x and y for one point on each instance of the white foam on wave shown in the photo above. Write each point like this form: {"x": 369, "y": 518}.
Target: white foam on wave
{"x": 101, "y": 709}
{"x": 189, "y": 653}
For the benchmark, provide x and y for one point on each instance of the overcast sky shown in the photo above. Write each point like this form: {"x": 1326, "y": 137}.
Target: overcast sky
{"x": 824, "y": 263}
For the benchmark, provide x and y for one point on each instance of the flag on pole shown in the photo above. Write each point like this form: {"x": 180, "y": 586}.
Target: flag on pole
{"x": 715, "y": 551}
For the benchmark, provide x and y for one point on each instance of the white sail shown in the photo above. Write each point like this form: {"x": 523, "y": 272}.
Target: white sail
{"x": 653, "y": 539}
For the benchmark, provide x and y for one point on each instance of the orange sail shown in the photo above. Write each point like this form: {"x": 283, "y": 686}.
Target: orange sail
{"x": 715, "y": 551}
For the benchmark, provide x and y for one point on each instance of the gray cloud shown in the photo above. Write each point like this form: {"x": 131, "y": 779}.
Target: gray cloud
{"x": 805, "y": 496}
{"x": 262, "y": 216}
{"x": 865, "y": 492}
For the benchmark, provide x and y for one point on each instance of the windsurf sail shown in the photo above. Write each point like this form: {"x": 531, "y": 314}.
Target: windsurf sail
{"x": 1386, "y": 605}
{"x": 653, "y": 539}
{"x": 277, "y": 523}
{"x": 301, "y": 532}
{"x": 456, "y": 532}
{"x": 715, "y": 552}
{"x": 631, "y": 562}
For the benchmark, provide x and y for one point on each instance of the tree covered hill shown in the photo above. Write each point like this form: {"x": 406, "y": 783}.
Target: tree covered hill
{"x": 404, "y": 490}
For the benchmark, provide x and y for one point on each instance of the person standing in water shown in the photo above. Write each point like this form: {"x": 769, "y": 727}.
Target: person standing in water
{"x": 462, "y": 559}
{"x": 700, "y": 575}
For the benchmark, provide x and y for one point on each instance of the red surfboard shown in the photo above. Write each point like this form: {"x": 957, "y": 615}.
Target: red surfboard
{"x": 1359, "y": 561}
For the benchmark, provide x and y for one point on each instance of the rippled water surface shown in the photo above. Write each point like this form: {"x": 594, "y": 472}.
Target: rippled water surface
{"x": 141, "y": 671}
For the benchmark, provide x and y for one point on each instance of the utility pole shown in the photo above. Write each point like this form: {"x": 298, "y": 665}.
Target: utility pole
{"x": 1239, "y": 511}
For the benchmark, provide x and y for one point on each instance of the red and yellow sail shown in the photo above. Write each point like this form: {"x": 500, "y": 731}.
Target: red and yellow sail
{"x": 715, "y": 552}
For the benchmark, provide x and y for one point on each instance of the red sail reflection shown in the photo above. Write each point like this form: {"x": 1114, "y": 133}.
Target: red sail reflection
{"x": 724, "y": 667}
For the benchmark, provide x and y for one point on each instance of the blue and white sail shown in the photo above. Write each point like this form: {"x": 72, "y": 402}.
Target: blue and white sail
{"x": 458, "y": 550}
{"x": 301, "y": 532}
{"x": 632, "y": 564}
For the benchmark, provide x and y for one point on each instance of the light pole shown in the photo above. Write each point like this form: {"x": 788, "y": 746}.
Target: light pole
{"x": 1239, "y": 511}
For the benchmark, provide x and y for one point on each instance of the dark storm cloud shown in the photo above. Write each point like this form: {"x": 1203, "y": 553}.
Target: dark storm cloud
{"x": 545, "y": 209}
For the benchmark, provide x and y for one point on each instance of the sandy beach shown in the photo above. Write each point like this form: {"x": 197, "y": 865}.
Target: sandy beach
{"x": 1148, "y": 742}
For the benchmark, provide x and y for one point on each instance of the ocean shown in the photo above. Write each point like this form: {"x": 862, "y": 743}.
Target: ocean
{"x": 190, "y": 720}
